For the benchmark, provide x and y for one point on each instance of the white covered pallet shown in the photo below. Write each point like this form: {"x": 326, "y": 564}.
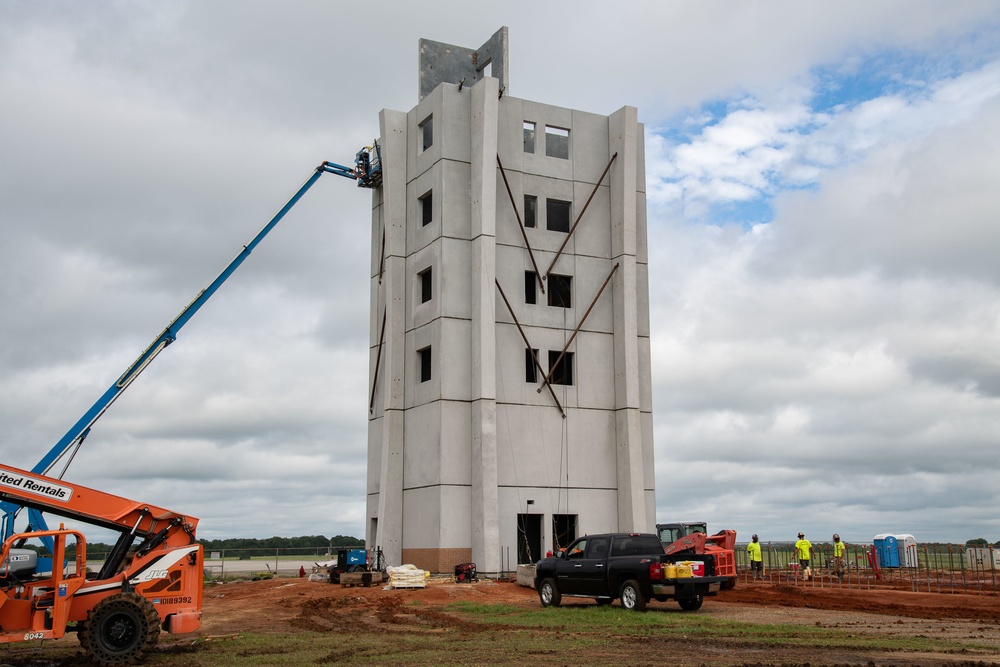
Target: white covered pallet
{"x": 407, "y": 576}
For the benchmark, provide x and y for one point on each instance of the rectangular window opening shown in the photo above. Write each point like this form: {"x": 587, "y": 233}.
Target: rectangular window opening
{"x": 427, "y": 208}
{"x": 563, "y": 530}
{"x": 560, "y": 291}
{"x": 557, "y": 215}
{"x": 427, "y": 133}
{"x": 426, "y": 285}
{"x": 529, "y": 137}
{"x": 530, "y": 287}
{"x": 557, "y": 142}
{"x": 529, "y": 538}
{"x": 530, "y": 369}
{"x": 562, "y": 372}
{"x": 425, "y": 364}
{"x": 530, "y": 210}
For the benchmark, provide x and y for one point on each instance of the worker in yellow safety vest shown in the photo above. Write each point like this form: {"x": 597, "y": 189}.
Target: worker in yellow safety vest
{"x": 756, "y": 562}
{"x": 839, "y": 551}
{"x": 803, "y": 549}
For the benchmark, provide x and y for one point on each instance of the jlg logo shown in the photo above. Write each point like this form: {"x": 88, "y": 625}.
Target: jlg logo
{"x": 154, "y": 574}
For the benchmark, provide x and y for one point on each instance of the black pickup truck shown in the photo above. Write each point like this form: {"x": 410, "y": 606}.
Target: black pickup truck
{"x": 629, "y": 566}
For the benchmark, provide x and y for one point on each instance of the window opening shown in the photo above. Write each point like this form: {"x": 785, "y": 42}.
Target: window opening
{"x": 529, "y": 137}
{"x": 530, "y": 369}
{"x": 427, "y": 133}
{"x": 597, "y": 547}
{"x": 426, "y": 289}
{"x": 530, "y": 287}
{"x": 425, "y": 364}
{"x": 427, "y": 208}
{"x": 563, "y": 530}
{"x": 557, "y": 142}
{"x": 557, "y": 215}
{"x": 530, "y": 210}
{"x": 561, "y": 371}
{"x": 529, "y": 538}
{"x": 560, "y": 291}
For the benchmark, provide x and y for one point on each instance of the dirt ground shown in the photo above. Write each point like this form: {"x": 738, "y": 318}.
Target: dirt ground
{"x": 292, "y": 606}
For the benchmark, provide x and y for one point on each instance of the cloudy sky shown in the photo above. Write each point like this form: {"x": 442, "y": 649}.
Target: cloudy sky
{"x": 824, "y": 202}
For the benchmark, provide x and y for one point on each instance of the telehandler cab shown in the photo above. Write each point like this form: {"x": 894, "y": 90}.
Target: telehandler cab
{"x": 151, "y": 579}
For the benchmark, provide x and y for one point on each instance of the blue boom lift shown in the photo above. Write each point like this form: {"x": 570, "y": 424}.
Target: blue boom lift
{"x": 367, "y": 172}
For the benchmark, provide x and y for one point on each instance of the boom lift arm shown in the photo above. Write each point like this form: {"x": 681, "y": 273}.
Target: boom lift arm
{"x": 367, "y": 172}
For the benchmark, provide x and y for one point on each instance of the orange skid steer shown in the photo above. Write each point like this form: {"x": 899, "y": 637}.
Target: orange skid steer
{"x": 719, "y": 548}
{"x": 151, "y": 579}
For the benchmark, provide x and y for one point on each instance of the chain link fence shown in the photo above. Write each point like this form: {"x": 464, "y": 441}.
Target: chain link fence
{"x": 940, "y": 568}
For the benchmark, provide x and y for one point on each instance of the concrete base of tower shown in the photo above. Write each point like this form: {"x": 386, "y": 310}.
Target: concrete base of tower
{"x": 437, "y": 561}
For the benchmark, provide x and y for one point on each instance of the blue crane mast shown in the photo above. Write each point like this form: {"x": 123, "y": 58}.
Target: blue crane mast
{"x": 367, "y": 172}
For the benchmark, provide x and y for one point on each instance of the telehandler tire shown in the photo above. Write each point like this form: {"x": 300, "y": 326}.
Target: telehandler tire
{"x": 120, "y": 629}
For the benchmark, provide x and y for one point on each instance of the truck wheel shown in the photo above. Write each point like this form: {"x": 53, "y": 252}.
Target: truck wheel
{"x": 120, "y": 629}
{"x": 549, "y": 593}
{"x": 691, "y": 604}
{"x": 631, "y": 596}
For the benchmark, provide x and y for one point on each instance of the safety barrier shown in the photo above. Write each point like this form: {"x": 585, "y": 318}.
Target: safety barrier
{"x": 940, "y": 568}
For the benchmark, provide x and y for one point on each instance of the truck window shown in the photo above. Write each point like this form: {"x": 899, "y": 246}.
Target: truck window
{"x": 598, "y": 547}
{"x": 636, "y": 545}
{"x": 577, "y": 549}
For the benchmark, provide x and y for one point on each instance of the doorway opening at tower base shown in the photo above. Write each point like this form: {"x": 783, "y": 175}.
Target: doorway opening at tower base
{"x": 563, "y": 530}
{"x": 529, "y": 538}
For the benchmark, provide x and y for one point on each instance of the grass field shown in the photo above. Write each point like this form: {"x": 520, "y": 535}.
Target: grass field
{"x": 474, "y": 633}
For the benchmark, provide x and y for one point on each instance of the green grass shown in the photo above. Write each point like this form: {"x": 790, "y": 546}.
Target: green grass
{"x": 591, "y": 619}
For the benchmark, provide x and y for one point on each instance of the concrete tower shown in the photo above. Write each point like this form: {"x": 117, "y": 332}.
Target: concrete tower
{"x": 510, "y": 404}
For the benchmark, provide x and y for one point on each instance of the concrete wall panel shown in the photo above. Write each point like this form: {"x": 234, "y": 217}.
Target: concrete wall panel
{"x": 590, "y": 154}
{"x": 456, "y": 446}
{"x": 594, "y": 357}
{"x": 422, "y": 517}
{"x": 422, "y": 465}
{"x": 538, "y": 162}
{"x": 593, "y": 233}
{"x": 645, "y": 376}
{"x": 510, "y": 134}
{"x": 454, "y": 295}
{"x": 454, "y": 192}
{"x": 455, "y": 343}
{"x": 374, "y": 454}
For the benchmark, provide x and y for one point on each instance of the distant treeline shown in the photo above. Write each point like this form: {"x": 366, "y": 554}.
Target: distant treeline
{"x": 267, "y": 545}
{"x": 981, "y": 542}
{"x": 247, "y": 546}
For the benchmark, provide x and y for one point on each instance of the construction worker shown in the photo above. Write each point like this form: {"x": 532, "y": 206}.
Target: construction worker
{"x": 803, "y": 548}
{"x": 839, "y": 551}
{"x": 756, "y": 563}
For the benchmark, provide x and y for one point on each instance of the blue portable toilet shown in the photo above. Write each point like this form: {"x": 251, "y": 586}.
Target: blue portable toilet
{"x": 887, "y": 550}
{"x": 891, "y": 551}
{"x": 879, "y": 543}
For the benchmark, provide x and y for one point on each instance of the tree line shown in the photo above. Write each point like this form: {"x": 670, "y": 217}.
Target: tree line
{"x": 267, "y": 545}
{"x": 248, "y": 546}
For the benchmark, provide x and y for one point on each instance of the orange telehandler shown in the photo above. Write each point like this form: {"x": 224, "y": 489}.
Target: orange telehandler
{"x": 151, "y": 579}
